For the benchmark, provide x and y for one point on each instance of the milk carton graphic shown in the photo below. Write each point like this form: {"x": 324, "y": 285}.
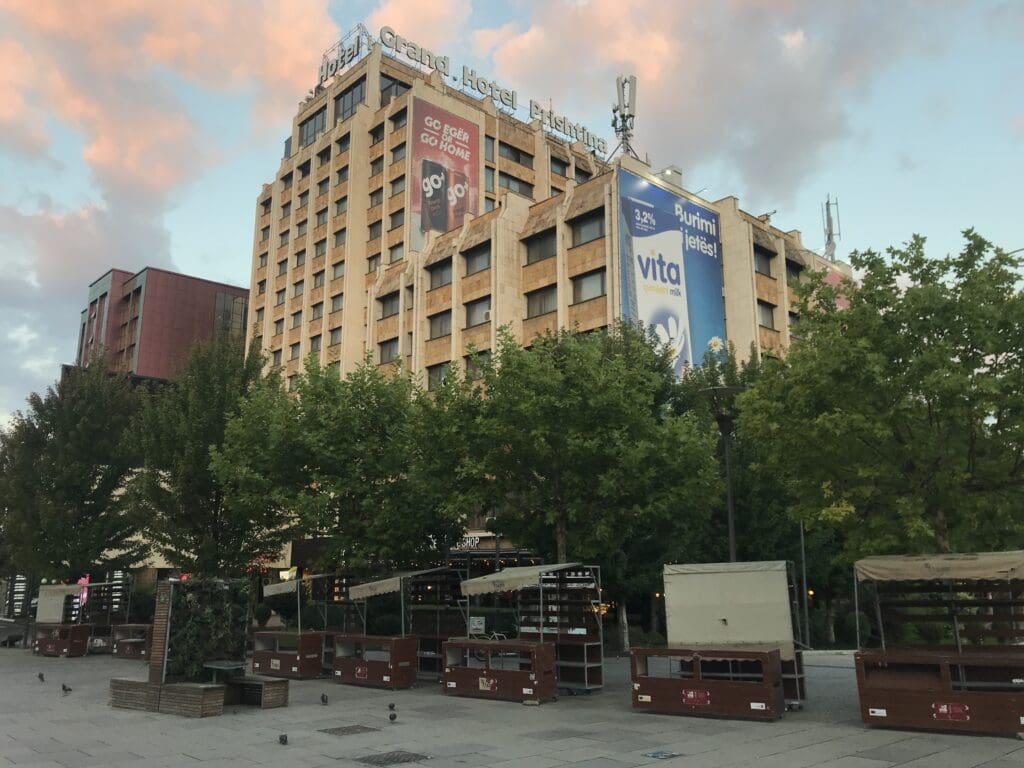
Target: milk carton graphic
{"x": 655, "y": 281}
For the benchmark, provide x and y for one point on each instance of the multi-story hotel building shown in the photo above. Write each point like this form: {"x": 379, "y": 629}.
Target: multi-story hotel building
{"x": 146, "y": 322}
{"x": 413, "y": 219}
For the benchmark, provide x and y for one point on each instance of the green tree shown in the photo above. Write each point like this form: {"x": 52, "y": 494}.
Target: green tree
{"x": 897, "y": 414}
{"x": 586, "y": 460}
{"x": 63, "y": 466}
{"x": 176, "y": 493}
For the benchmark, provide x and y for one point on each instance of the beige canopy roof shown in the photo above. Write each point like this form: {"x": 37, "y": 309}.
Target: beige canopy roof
{"x": 980, "y": 565}
{"x": 511, "y": 579}
{"x": 283, "y": 588}
{"x": 384, "y": 586}
{"x": 50, "y": 607}
{"x": 688, "y": 568}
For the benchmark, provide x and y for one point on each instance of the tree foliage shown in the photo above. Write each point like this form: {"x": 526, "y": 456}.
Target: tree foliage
{"x": 899, "y": 412}
{"x": 63, "y": 465}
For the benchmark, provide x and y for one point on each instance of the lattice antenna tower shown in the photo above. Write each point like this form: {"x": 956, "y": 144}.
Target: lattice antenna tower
{"x": 624, "y": 115}
{"x": 830, "y": 224}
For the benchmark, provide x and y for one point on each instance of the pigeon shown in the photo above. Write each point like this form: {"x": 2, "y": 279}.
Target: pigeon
{"x": 393, "y": 716}
{"x": 42, "y": 677}
{"x": 65, "y": 689}
{"x": 391, "y": 705}
{"x": 283, "y": 739}
{"x": 323, "y": 699}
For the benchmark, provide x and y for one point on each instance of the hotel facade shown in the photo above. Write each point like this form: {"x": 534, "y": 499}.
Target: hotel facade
{"x": 413, "y": 219}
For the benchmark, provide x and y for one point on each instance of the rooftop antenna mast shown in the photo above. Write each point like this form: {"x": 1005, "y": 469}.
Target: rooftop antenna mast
{"x": 832, "y": 228}
{"x": 624, "y": 115}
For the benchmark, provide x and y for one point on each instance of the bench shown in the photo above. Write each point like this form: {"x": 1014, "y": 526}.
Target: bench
{"x": 257, "y": 691}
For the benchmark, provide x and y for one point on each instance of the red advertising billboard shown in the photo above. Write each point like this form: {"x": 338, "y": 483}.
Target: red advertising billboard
{"x": 445, "y": 170}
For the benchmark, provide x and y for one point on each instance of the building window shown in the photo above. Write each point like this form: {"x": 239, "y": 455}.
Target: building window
{"x": 476, "y": 363}
{"x": 300, "y": 287}
{"x": 794, "y": 272}
{"x": 300, "y": 258}
{"x": 320, "y": 248}
{"x": 323, "y": 157}
{"x": 335, "y": 336}
{"x": 259, "y": 315}
{"x": 296, "y": 319}
{"x": 489, "y": 148}
{"x": 390, "y": 304}
{"x": 263, "y": 259}
{"x": 440, "y": 273}
{"x": 266, "y": 204}
{"x": 321, "y": 217}
{"x": 303, "y": 199}
{"x": 440, "y": 324}
{"x": 399, "y": 119}
{"x": 339, "y": 238}
{"x": 581, "y": 175}
{"x": 388, "y": 350}
{"x": 318, "y": 310}
{"x": 337, "y": 302}
{"x": 588, "y": 228}
{"x": 340, "y": 206}
{"x": 376, "y": 166}
{"x": 261, "y": 287}
{"x": 488, "y": 179}
{"x": 344, "y": 143}
{"x": 377, "y": 135}
{"x": 322, "y": 186}
{"x": 478, "y": 311}
{"x": 293, "y": 353}
{"x": 396, "y": 252}
{"x": 286, "y": 210}
{"x": 376, "y": 197}
{"x": 391, "y": 89}
{"x": 279, "y": 326}
{"x": 275, "y": 358}
{"x": 397, "y": 185}
{"x": 763, "y": 261}
{"x": 373, "y": 262}
{"x": 588, "y": 286}
{"x": 436, "y": 375}
{"x": 513, "y": 184}
{"x": 279, "y": 298}
{"x": 304, "y": 170}
{"x": 312, "y": 127}
{"x": 265, "y": 234}
{"x": 515, "y": 154}
{"x": 765, "y": 314}
{"x": 341, "y": 176}
{"x": 559, "y": 166}
{"x": 478, "y": 258}
{"x": 396, "y": 219}
{"x": 541, "y": 246}
{"x": 374, "y": 230}
{"x": 555, "y": 191}
{"x": 286, "y": 180}
{"x": 293, "y": 382}
{"x": 318, "y": 278}
{"x": 314, "y": 343}
{"x": 302, "y": 227}
{"x": 794, "y": 319}
{"x": 542, "y": 301}
{"x": 489, "y": 204}
{"x": 338, "y": 270}
{"x": 345, "y": 104}
{"x": 398, "y": 153}
{"x": 282, "y": 266}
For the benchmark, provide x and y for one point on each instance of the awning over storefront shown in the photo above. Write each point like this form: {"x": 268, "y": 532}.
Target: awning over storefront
{"x": 385, "y": 586}
{"x": 980, "y": 565}
{"x": 511, "y": 579}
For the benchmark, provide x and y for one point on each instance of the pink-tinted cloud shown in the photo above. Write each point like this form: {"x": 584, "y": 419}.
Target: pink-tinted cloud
{"x": 434, "y": 24}
{"x": 21, "y": 121}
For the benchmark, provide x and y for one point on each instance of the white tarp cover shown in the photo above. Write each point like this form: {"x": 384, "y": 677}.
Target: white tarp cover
{"x": 979, "y": 565}
{"x": 50, "y": 608}
{"x": 511, "y": 579}
{"x": 283, "y": 588}
{"x": 384, "y": 586}
{"x": 729, "y": 604}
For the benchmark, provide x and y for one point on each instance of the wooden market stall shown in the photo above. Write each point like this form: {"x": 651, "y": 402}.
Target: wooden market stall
{"x": 131, "y": 641}
{"x": 509, "y": 670}
{"x": 945, "y": 637}
{"x": 557, "y": 604}
{"x": 57, "y": 630}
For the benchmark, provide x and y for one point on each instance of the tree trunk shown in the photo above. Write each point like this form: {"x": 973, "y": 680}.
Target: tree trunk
{"x": 830, "y": 622}
{"x": 941, "y": 531}
{"x": 561, "y": 533}
{"x": 623, "y": 625}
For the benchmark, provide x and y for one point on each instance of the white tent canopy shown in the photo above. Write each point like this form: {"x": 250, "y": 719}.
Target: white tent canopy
{"x": 385, "y": 586}
{"x": 511, "y": 579}
{"x": 979, "y": 565}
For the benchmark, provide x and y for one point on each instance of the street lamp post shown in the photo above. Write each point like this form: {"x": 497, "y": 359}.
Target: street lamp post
{"x": 721, "y": 402}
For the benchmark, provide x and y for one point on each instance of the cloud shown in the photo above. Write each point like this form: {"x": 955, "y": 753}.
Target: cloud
{"x": 432, "y": 24}
{"x": 762, "y": 88}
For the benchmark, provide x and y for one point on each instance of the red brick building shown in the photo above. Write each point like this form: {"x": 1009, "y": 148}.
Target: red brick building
{"x": 147, "y": 322}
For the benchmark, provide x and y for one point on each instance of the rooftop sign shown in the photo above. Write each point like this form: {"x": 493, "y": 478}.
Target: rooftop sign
{"x": 470, "y": 81}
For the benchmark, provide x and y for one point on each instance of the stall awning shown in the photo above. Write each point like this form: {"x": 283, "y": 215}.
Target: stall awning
{"x": 384, "y": 586}
{"x": 283, "y": 588}
{"x": 511, "y": 579}
{"x": 981, "y": 565}
{"x": 688, "y": 568}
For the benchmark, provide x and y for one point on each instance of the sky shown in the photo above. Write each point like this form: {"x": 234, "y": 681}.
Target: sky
{"x": 139, "y": 133}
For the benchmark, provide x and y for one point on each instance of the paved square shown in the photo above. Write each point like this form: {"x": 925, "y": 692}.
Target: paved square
{"x": 41, "y": 727}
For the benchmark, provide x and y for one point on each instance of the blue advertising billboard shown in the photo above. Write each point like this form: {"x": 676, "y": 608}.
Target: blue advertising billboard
{"x": 671, "y": 265}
